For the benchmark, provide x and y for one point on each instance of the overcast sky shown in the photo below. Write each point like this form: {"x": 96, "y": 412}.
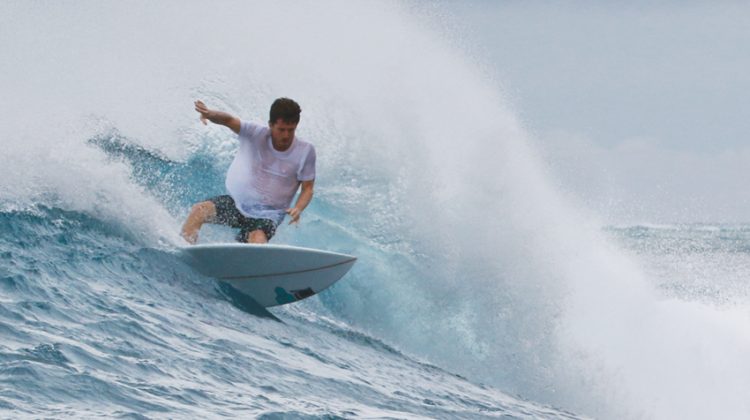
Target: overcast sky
{"x": 643, "y": 109}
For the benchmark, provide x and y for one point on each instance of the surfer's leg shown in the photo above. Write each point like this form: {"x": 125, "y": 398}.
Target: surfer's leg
{"x": 199, "y": 214}
{"x": 257, "y": 237}
{"x": 256, "y": 231}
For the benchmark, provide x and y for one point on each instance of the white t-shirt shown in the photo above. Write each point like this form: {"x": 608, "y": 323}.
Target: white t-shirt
{"x": 262, "y": 180}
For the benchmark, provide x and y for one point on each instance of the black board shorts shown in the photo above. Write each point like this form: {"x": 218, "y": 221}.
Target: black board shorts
{"x": 227, "y": 214}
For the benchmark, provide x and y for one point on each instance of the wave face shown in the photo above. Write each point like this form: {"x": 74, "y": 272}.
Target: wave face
{"x": 96, "y": 324}
{"x": 470, "y": 262}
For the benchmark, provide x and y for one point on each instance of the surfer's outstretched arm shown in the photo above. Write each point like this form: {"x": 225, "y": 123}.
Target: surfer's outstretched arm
{"x": 217, "y": 117}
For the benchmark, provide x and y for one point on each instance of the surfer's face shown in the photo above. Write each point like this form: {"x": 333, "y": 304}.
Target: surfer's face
{"x": 282, "y": 134}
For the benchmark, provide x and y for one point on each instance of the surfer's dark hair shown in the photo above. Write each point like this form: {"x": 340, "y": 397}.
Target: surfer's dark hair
{"x": 285, "y": 109}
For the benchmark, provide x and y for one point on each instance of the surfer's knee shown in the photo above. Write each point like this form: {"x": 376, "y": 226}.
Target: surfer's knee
{"x": 203, "y": 210}
{"x": 257, "y": 237}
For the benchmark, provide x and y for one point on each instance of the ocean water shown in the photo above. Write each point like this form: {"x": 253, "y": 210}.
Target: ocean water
{"x": 480, "y": 290}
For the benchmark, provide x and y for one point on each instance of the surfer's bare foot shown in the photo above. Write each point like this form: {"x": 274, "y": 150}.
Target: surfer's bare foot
{"x": 190, "y": 237}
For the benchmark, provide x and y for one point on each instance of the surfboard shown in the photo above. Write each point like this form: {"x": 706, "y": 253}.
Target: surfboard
{"x": 270, "y": 274}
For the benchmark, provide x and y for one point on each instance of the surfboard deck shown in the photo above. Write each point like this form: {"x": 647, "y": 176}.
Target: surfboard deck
{"x": 270, "y": 274}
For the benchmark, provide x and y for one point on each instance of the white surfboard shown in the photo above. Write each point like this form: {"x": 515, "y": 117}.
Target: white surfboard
{"x": 270, "y": 274}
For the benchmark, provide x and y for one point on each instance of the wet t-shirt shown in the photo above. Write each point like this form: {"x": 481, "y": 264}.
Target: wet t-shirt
{"x": 262, "y": 180}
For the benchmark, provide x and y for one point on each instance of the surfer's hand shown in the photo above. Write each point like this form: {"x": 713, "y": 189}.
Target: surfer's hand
{"x": 203, "y": 110}
{"x": 294, "y": 213}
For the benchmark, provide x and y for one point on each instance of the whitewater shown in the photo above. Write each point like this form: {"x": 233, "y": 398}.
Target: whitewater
{"x": 481, "y": 289}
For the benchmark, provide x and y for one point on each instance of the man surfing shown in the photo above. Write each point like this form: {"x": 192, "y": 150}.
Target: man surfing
{"x": 267, "y": 171}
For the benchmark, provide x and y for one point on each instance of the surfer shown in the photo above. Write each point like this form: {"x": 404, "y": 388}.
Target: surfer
{"x": 267, "y": 171}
